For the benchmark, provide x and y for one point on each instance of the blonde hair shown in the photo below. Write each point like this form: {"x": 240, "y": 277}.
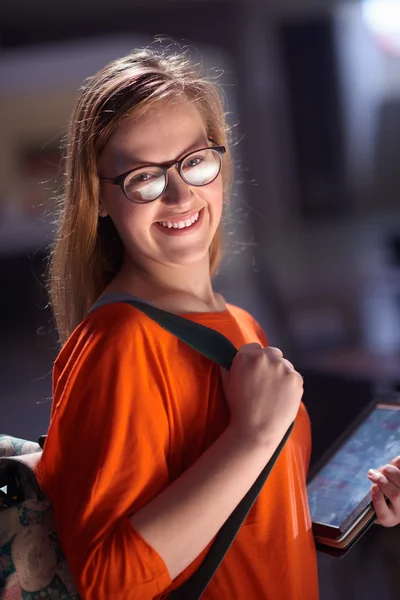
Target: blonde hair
{"x": 88, "y": 252}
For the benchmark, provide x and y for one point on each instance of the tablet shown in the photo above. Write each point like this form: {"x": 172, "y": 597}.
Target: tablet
{"x": 339, "y": 491}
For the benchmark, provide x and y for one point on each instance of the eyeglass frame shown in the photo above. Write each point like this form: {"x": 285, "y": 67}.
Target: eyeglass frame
{"x": 120, "y": 179}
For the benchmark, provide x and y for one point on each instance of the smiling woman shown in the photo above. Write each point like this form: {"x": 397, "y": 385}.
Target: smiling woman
{"x": 170, "y": 183}
{"x": 151, "y": 111}
{"x": 165, "y": 444}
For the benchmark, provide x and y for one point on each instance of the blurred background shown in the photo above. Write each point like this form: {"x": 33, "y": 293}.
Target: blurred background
{"x": 313, "y": 230}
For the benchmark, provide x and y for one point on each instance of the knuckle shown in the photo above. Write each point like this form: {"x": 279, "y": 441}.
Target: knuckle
{"x": 299, "y": 378}
{"x": 254, "y": 346}
{"x": 390, "y": 470}
{"x": 274, "y": 351}
{"x": 287, "y": 363}
{"x": 246, "y": 348}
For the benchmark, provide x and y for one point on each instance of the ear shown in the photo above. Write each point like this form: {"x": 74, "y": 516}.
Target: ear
{"x": 102, "y": 209}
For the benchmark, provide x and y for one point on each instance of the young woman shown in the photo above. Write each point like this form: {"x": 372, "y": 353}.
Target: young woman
{"x": 150, "y": 446}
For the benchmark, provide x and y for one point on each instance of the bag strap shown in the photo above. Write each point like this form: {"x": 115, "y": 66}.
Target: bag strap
{"x": 208, "y": 342}
{"x": 194, "y": 587}
{"x": 220, "y": 350}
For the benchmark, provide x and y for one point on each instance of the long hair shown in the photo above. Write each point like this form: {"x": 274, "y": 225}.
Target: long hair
{"x": 88, "y": 252}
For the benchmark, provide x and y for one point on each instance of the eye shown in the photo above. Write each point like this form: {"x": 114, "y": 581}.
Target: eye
{"x": 137, "y": 180}
{"x": 142, "y": 177}
{"x": 193, "y": 161}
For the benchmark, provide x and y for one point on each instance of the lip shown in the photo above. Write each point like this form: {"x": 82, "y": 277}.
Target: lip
{"x": 181, "y": 217}
{"x": 184, "y": 230}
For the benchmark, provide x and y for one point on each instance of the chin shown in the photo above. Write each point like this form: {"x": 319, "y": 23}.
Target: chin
{"x": 188, "y": 258}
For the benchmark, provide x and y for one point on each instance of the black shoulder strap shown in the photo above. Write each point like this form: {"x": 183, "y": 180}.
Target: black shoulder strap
{"x": 208, "y": 342}
{"x": 220, "y": 350}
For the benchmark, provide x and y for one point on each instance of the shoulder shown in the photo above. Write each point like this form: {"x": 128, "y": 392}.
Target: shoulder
{"x": 239, "y": 313}
{"x": 116, "y": 352}
{"x": 246, "y": 321}
{"x": 111, "y": 331}
{"x": 117, "y": 320}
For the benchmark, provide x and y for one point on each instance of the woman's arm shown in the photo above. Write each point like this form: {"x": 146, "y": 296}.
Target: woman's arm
{"x": 263, "y": 392}
{"x": 181, "y": 521}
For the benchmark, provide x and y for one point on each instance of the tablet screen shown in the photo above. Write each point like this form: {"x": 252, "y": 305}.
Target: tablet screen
{"x": 339, "y": 487}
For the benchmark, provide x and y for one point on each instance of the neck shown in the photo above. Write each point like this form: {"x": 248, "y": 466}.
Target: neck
{"x": 177, "y": 288}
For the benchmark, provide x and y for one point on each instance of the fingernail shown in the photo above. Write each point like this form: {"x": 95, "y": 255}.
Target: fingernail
{"x": 374, "y": 474}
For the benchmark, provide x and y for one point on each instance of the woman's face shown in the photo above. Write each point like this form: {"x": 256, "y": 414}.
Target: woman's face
{"x": 164, "y": 135}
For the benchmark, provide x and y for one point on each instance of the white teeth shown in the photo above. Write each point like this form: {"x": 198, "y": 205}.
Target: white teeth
{"x": 180, "y": 224}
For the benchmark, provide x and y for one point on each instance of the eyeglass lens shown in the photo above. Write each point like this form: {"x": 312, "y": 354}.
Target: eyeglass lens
{"x": 199, "y": 168}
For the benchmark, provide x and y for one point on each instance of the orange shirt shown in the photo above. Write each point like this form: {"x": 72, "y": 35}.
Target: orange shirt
{"x": 133, "y": 408}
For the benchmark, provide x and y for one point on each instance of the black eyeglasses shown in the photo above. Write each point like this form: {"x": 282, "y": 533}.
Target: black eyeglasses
{"x": 149, "y": 182}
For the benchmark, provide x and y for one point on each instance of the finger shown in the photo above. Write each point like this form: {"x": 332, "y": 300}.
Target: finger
{"x": 250, "y": 348}
{"x": 275, "y": 351}
{"x": 288, "y": 364}
{"x": 392, "y": 473}
{"x": 384, "y": 514}
{"x": 396, "y": 462}
{"x": 274, "y": 354}
{"x": 391, "y": 491}
{"x": 253, "y": 345}
{"x": 291, "y": 369}
{"x": 247, "y": 352}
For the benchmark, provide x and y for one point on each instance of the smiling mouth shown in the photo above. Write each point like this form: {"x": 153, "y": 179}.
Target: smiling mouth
{"x": 180, "y": 224}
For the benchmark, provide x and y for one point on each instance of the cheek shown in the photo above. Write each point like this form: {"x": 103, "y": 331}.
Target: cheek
{"x": 214, "y": 193}
{"x": 217, "y": 200}
{"x": 130, "y": 220}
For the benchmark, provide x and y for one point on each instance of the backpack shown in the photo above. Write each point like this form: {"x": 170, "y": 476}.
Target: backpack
{"x": 32, "y": 564}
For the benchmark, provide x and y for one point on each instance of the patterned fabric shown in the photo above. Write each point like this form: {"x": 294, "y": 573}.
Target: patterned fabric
{"x": 32, "y": 565}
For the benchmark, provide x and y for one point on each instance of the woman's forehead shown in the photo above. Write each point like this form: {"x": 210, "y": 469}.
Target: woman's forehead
{"x": 159, "y": 135}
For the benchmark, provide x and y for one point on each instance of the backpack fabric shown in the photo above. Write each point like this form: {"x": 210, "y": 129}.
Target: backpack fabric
{"x": 32, "y": 565}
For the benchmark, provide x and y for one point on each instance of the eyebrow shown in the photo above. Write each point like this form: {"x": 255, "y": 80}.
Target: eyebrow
{"x": 130, "y": 164}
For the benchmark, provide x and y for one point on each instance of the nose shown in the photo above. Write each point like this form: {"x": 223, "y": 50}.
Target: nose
{"x": 178, "y": 192}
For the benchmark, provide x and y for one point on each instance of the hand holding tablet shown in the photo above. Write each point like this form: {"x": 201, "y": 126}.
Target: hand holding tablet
{"x": 339, "y": 491}
{"x": 385, "y": 493}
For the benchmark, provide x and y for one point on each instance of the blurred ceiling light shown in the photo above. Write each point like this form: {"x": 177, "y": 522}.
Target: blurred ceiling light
{"x": 382, "y": 17}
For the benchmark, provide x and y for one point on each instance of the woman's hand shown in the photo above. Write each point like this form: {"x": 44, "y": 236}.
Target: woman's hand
{"x": 263, "y": 391}
{"x": 386, "y": 482}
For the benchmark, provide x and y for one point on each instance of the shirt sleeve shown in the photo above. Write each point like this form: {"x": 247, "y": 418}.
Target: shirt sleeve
{"x": 260, "y": 333}
{"x": 106, "y": 452}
